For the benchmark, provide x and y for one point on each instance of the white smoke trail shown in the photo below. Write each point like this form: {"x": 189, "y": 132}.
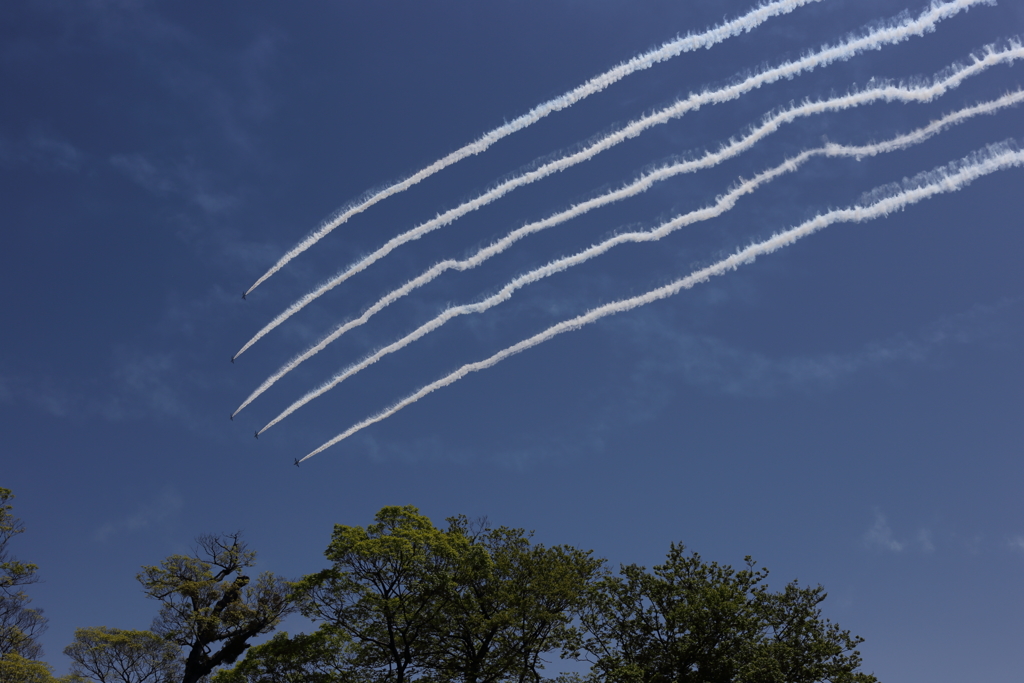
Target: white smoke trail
{"x": 884, "y": 92}
{"x": 945, "y": 179}
{"x": 674, "y": 48}
{"x": 723, "y": 204}
{"x": 875, "y": 39}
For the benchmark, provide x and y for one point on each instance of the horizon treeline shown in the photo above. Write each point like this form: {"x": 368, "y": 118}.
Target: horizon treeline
{"x": 402, "y": 600}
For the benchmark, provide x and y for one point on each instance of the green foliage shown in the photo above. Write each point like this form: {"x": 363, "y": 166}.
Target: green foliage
{"x": 111, "y": 655}
{"x": 17, "y": 669}
{"x": 690, "y": 621}
{"x": 209, "y": 607}
{"x": 386, "y": 590}
{"x": 465, "y": 604}
{"x": 403, "y": 601}
{"x": 12, "y": 572}
{"x": 20, "y": 625}
{"x": 509, "y": 604}
{"x": 320, "y": 657}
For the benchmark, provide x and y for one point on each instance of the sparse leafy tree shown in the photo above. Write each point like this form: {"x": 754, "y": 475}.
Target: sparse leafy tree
{"x": 20, "y": 625}
{"x": 690, "y": 621}
{"x": 111, "y": 655}
{"x": 211, "y": 608}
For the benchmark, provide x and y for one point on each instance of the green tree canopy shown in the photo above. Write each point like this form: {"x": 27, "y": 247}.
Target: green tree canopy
{"x": 386, "y": 590}
{"x": 17, "y": 669}
{"x": 691, "y": 621}
{"x": 20, "y": 625}
{"x": 321, "y": 657}
{"x": 211, "y": 608}
{"x": 509, "y": 605}
{"x": 460, "y": 604}
{"x": 403, "y": 601}
{"x": 111, "y": 655}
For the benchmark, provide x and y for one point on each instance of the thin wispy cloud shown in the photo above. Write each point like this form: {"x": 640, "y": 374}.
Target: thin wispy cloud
{"x": 230, "y": 99}
{"x": 58, "y": 153}
{"x": 135, "y": 385}
{"x": 42, "y": 152}
{"x": 880, "y": 536}
{"x": 43, "y": 393}
{"x": 185, "y": 181}
{"x": 143, "y": 173}
{"x": 148, "y": 378}
{"x": 715, "y": 364}
{"x": 163, "y": 508}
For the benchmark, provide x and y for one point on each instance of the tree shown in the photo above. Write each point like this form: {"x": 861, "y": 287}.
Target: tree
{"x": 462, "y": 604}
{"x": 320, "y": 657}
{"x": 690, "y": 621}
{"x": 386, "y": 590}
{"x": 111, "y": 655}
{"x": 17, "y": 669}
{"x": 20, "y": 625}
{"x": 510, "y": 605}
{"x": 209, "y": 607}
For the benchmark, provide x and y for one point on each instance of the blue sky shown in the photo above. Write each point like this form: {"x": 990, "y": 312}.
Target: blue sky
{"x": 846, "y": 410}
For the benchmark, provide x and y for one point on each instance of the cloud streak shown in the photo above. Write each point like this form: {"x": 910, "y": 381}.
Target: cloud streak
{"x": 879, "y": 203}
{"x": 666, "y": 356}
{"x": 674, "y": 48}
{"x": 724, "y": 203}
{"x": 888, "y": 92}
{"x": 888, "y": 34}
{"x": 162, "y": 508}
{"x": 880, "y": 536}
